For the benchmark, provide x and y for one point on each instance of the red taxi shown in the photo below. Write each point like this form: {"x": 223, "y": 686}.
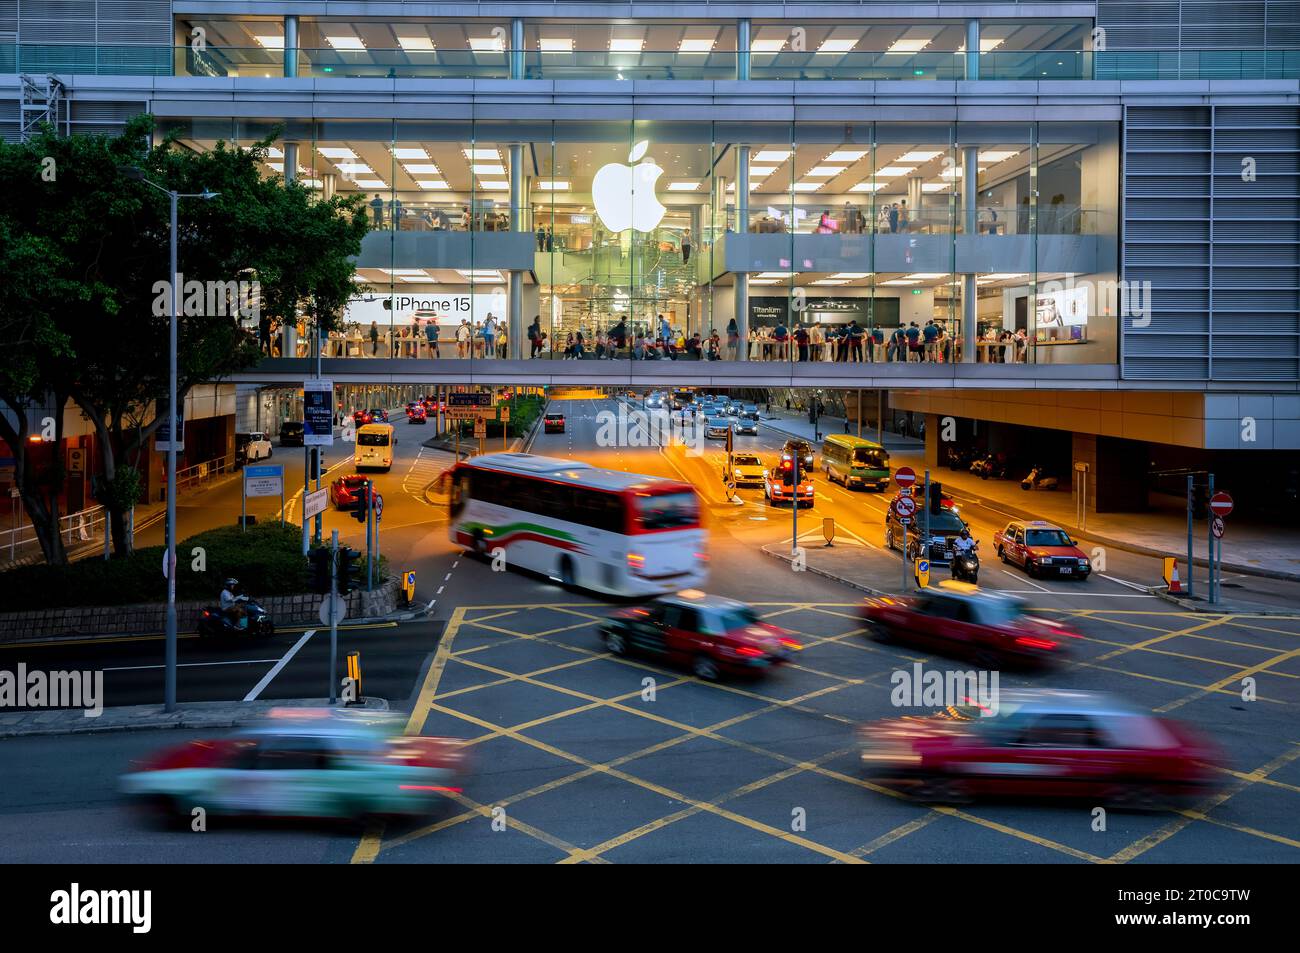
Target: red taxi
{"x": 710, "y": 634}
{"x": 955, "y": 618}
{"x": 1041, "y": 549}
{"x": 416, "y": 414}
{"x": 778, "y": 484}
{"x": 348, "y": 492}
{"x": 1041, "y": 743}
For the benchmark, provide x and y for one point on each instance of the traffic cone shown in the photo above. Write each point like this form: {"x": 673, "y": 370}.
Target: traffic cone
{"x": 1175, "y": 587}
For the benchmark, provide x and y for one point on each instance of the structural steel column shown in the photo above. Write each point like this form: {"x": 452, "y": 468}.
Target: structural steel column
{"x": 972, "y": 49}
{"x": 743, "y": 45}
{"x": 517, "y": 48}
{"x": 970, "y": 225}
{"x": 291, "y": 46}
{"x": 740, "y": 300}
{"x": 518, "y": 223}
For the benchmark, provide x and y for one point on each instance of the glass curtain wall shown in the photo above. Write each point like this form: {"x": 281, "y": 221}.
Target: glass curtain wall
{"x": 665, "y": 239}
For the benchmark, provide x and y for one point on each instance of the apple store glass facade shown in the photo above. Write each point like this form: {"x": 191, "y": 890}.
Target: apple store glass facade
{"x": 628, "y": 239}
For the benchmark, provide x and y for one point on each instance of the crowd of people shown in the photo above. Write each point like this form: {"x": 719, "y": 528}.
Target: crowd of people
{"x": 659, "y": 340}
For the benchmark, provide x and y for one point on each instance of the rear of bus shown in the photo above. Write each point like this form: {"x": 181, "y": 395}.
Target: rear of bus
{"x": 374, "y": 448}
{"x": 667, "y": 548}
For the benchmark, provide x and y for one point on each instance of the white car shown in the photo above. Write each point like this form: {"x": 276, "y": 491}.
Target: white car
{"x": 253, "y": 446}
{"x": 745, "y": 469}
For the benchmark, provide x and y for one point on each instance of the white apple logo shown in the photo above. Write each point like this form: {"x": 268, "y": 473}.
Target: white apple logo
{"x": 624, "y": 195}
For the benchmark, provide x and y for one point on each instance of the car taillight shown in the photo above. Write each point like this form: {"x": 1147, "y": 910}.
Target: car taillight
{"x": 791, "y": 643}
{"x": 1031, "y": 643}
{"x": 702, "y": 557}
{"x": 749, "y": 651}
{"x": 635, "y": 561}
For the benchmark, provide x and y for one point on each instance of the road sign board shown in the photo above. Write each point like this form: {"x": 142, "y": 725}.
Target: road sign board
{"x": 1221, "y": 504}
{"x": 505, "y": 414}
{"x": 162, "y": 441}
{"x": 1216, "y": 527}
{"x": 480, "y": 427}
{"x": 340, "y": 609}
{"x": 905, "y": 506}
{"x": 318, "y": 413}
{"x": 379, "y": 506}
{"x": 314, "y": 502}
{"x": 267, "y": 480}
{"x": 904, "y": 477}
{"x": 905, "y": 520}
{"x": 478, "y": 401}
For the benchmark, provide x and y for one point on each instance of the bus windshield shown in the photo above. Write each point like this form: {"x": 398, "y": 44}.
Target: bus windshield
{"x": 372, "y": 439}
{"x": 870, "y": 457}
{"x": 667, "y": 510}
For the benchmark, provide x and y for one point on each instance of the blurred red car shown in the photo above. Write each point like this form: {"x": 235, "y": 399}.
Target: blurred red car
{"x": 348, "y": 492}
{"x": 711, "y": 634}
{"x": 1042, "y": 743}
{"x": 956, "y": 618}
{"x": 416, "y": 414}
{"x": 553, "y": 423}
{"x": 362, "y": 417}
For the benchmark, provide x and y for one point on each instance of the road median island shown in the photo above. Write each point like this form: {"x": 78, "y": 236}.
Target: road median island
{"x": 839, "y": 564}
{"x": 126, "y": 596}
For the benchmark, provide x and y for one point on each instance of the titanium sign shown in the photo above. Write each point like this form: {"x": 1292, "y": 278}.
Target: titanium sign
{"x": 318, "y": 413}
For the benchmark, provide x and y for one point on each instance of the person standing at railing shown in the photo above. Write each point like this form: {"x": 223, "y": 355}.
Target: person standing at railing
{"x": 490, "y": 336}
{"x": 686, "y": 247}
{"x": 463, "y": 335}
{"x": 801, "y": 340}
{"x": 374, "y": 338}
{"x": 541, "y": 238}
{"x": 893, "y": 217}
{"x": 903, "y": 223}
{"x": 535, "y": 329}
{"x": 930, "y": 336}
{"x": 431, "y": 333}
{"x": 733, "y": 339}
{"x": 550, "y": 239}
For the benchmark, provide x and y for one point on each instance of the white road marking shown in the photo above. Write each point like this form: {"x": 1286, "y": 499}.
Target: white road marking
{"x": 142, "y": 668}
{"x": 1125, "y": 582}
{"x": 279, "y": 666}
{"x": 439, "y": 592}
{"x": 1027, "y": 580}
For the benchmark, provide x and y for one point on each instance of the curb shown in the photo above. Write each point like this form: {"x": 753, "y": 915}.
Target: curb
{"x": 1195, "y": 605}
{"x": 1122, "y": 545}
{"x": 828, "y": 575}
{"x": 192, "y": 715}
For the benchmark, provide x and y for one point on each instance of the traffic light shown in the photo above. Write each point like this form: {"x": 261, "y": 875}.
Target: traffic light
{"x": 936, "y": 498}
{"x": 363, "y": 509}
{"x": 320, "y": 570}
{"x": 351, "y": 570}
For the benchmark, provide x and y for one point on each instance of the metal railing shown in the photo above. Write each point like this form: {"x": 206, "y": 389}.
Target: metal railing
{"x": 260, "y": 62}
{"x": 83, "y": 527}
{"x": 203, "y": 473}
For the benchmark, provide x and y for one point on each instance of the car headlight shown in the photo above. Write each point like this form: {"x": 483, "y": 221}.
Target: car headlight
{"x": 1083, "y": 564}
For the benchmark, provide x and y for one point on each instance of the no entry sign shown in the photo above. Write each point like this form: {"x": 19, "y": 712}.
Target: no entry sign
{"x": 1221, "y": 504}
{"x": 904, "y": 477}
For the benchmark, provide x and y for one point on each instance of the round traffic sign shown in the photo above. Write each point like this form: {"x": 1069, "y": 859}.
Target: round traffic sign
{"x": 904, "y": 476}
{"x": 379, "y": 505}
{"x": 905, "y": 505}
{"x": 340, "y": 609}
{"x": 1216, "y": 527}
{"x": 1221, "y": 504}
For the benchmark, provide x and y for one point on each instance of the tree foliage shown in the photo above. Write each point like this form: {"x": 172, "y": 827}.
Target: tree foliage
{"x": 84, "y": 248}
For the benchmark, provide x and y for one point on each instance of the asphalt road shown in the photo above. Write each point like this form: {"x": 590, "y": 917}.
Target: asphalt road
{"x": 597, "y": 759}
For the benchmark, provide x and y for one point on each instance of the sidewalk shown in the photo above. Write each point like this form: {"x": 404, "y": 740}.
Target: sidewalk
{"x": 1274, "y": 551}
{"x": 202, "y": 715}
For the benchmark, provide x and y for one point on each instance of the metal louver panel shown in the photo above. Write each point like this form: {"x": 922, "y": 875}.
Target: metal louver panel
{"x": 1220, "y": 247}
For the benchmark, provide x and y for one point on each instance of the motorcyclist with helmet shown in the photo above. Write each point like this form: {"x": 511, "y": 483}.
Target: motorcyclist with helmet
{"x": 231, "y": 598}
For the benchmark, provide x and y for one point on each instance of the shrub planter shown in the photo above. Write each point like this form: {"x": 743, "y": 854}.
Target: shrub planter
{"x": 151, "y": 618}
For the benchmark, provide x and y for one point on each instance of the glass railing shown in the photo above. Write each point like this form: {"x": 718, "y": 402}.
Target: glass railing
{"x": 260, "y": 62}
{"x": 858, "y": 65}
{"x": 1199, "y": 64}
{"x": 388, "y": 214}
{"x": 892, "y": 218}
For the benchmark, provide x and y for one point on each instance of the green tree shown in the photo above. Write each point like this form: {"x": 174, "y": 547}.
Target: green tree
{"x": 110, "y": 237}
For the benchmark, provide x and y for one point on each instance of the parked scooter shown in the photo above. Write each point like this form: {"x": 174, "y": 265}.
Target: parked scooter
{"x": 965, "y": 566}
{"x": 214, "y": 623}
{"x": 1038, "y": 480}
{"x": 990, "y": 465}
{"x": 958, "y": 459}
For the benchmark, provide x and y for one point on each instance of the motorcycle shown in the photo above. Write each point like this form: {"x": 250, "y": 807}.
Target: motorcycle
{"x": 957, "y": 459}
{"x": 1037, "y": 480}
{"x": 214, "y": 623}
{"x": 990, "y": 465}
{"x": 965, "y": 566}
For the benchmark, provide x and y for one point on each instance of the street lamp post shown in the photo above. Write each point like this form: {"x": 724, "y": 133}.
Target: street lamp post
{"x": 174, "y": 197}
